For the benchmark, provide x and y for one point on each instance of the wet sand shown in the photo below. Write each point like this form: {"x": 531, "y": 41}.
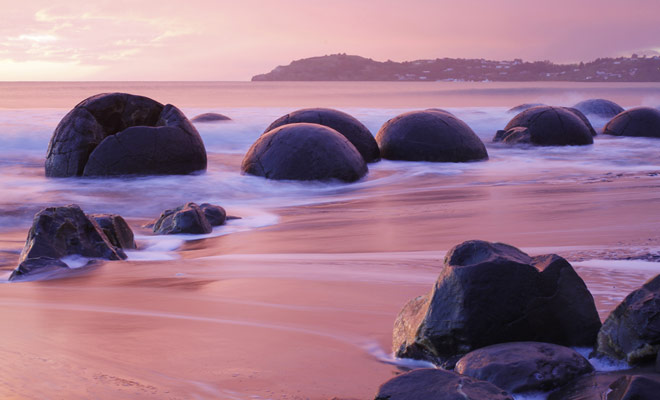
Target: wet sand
{"x": 302, "y": 309}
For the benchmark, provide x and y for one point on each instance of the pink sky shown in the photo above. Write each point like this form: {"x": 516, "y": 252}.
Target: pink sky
{"x": 233, "y": 40}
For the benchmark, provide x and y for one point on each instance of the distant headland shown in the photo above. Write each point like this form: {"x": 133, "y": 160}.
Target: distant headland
{"x": 342, "y": 67}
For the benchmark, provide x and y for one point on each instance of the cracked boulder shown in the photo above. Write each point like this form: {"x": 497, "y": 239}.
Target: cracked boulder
{"x": 345, "y": 124}
{"x": 632, "y": 331}
{"x": 599, "y": 107}
{"x": 583, "y": 118}
{"x": 116, "y": 230}
{"x": 429, "y": 136}
{"x": 189, "y": 218}
{"x": 58, "y": 232}
{"x": 437, "y": 384}
{"x": 524, "y": 366}
{"x": 122, "y": 134}
{"x": 304, "y": 152}
{"x": 546, "y": 126}
{"x": 490, "y": 293}
{"x": 640, "y": 121}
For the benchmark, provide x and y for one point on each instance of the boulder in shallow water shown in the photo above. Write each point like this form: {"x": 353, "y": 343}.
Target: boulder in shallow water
{"x": 345, "y": 124}
{"x": 116, "y": 229}
{"x": 210, "y": 117}
{"x": 632, "y": 331}
{"x": 437, "y": 384}
{"x": 599, "y": 107}
{"x": 546, "y": 126}
{"x": 188, "y": 218}
{"x": 38, "y": 266}
{"x": 216, "y": 215}
{"x": 429, "y": 136}
{"x": 304, "y": 151}
{"x": 640, "y": 121}
{"x": 523, "y": 107}
{"x": 524, "y": 366}
{"x": 583, "y": 118}
{"x": 119, "y": 134}
{"x": 616, "y": 385}
{"x": 489, "y": 293}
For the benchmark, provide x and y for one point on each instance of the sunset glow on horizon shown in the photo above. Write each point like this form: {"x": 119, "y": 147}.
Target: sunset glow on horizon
{"x": 222, "y": 40}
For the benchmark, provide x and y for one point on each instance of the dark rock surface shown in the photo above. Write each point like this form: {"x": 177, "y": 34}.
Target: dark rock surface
{"x": 429, "y": 136}
{"x": 304, "y": 151}
{"x": 210, "y": 117}
{"x": 524, "y": 366}
{"x": 116, "y": 229}
{"x": 216, "y": 215}
{"x": 617, "y": 385}
{"x": 640, "y": 121}
{"x": 345, "y": 124}
{"x": 40, "y": 265}
{"x": 523, "y": 107}
{"x": 546, "y": 126}
{"x": 188, "y": 218}
{"x": 489, "y": 293}
{"x": 436, "y": 384}
{"x": 583, "y": 118}
{"x": 119, "y": 133}
{"x": 439, "y": 110}
{"x": 632, "y": 331}
{"x": 599, "y": 107}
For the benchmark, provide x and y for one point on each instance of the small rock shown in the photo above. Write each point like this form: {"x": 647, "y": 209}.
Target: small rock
{"x": 188, "y": 218}
{"x": 210, "y": 117}
{"x": 116, "y": 229}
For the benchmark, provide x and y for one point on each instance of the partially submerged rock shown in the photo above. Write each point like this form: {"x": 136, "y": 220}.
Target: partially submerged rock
{"x": 39, "y": 265}
{"x": 546, "y": 126}
{"x": 640, "y": 121}
{"x": 583, "y": 118}
{"x": 429, "y": 136}
{"x": 119, "y": 134}
{"x": 599, "y": 107}
{"x": 437, "y": 384}
{"x": 116, "y": 229}
{"x": 523, "y": 107}
{"x": 216, "y": 215}
{"x": 617, "y": 385}
{"x": 524, "y": 366}
{"x": 632, "y": 331}
{"x": 188, "y": 218}
{"x": 304, "y": 151}
{"x": 489, "y": 293}
{"x": 345, "y": 124}
{"x": 210, "y": 117}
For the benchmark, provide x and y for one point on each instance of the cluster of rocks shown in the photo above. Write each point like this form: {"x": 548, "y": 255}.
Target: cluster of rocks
{"x": 500, "y": 322}
{"x": 60, "y": 232}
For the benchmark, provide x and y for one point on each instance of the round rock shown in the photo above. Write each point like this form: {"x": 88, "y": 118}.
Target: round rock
{"x": 304, "y": 151}
{"x": 599, "y": 107}
{"x": 119, "y": 134}
{"x": 523, "y": 107}
{"x": 210, "y": 117}
{"x": 524, "y": 366}
{"x": 429, "y": 136}
{"x": 437, "y": 384}
{"x": 640, "y": 121}
{"x": 546, "y": 126}
{"x": 345, "y": 124}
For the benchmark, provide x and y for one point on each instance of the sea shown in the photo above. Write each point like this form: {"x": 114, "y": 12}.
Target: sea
{"x": 330, "y": 242}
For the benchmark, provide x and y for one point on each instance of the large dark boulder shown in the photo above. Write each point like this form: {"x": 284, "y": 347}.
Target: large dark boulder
{"x": 304, "y": 151}
{"x": 546, "y": 126}
{"x": 118, "y": 134}
{"x": 58, "y": 232}
{"x": 640, "y": 121}
{"x": 583, "y": 118}
{"x": 523, "y": 107}
{"x": 345, "y": 124}
{"x": 188, "y": 218}
{"x": 632, "y": 331}
{"x": 429, "y": 136}
{"x": 436, "y": 384}
{"x": 489, "y": 293}
{"x": 524, "y": 366}
{"x": 599, "y": 107}
{"x": 617, "y": 385}
{"x": 116, "y": 229}
{"x": 210, "y": 117}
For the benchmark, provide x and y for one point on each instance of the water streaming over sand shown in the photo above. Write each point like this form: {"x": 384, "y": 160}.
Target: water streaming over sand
{"x": 297, "y": 298}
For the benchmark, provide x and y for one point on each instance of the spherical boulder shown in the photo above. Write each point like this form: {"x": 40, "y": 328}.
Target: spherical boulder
{"x": 489, "y": 293}
{"x": 119, "y": 134}
{"x": 210, "y": 117}
{"x": 345, "y": 124}
{"x": 583, "y": 118}
{"x": 429, "y": 136}
{"x": 546, "y": 126}
{"x": 437, "y": 384}
{"x": 523, "y": 107}
{"x": 640, "y": 121}
{"x": 599, "y": 107}
{"x": 524, "y": 366}
{"x": 304, "y": 151}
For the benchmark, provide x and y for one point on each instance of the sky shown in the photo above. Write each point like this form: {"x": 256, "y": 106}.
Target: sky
{"x": 233, "y": 40}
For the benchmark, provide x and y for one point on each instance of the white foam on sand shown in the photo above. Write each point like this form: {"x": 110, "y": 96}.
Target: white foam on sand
{"x": 75, "y": 261}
